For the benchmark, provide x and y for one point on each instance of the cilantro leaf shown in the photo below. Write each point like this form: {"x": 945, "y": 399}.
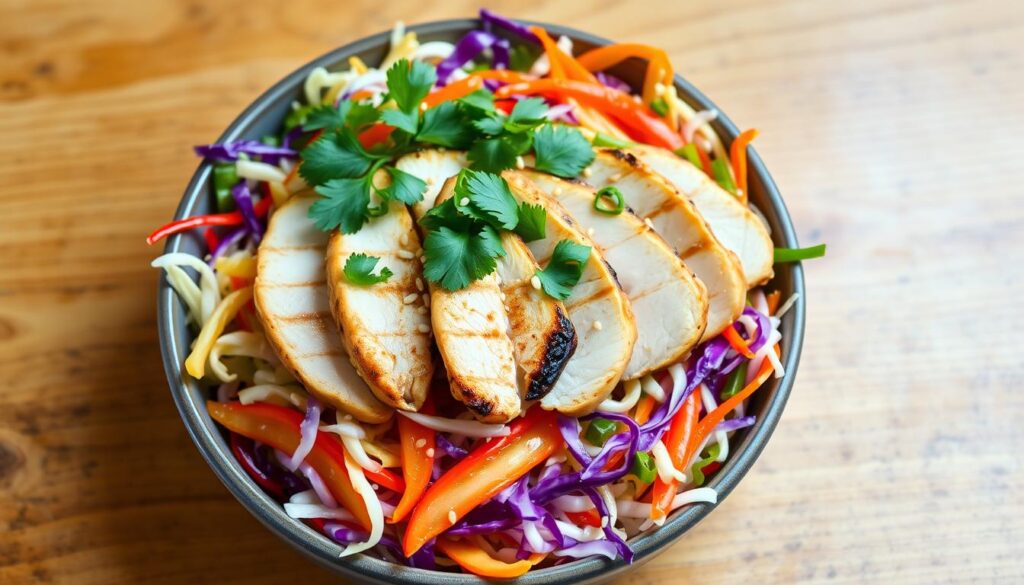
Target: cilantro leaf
{"x": 489, "y": 198}
{"x": 359, "y": 270}
{"x": 564, "y": 269}
{"x": 362, "y": 114}
{"x": 404, "y": 187}
{"x": 491, "y": 125}
{"x": 480, "y": 100}
{"x": 408, "y": 83}
{"x": 532, "y": 222}
{"x": 336, "y": 155}
{"x": 493, "y": 155}
{"x": 455, "y": 259}
{"x": 522, "y": 57}
{"x": 526, "y": 115}
{"x": 561, "y": 151}
{"x": 445, "y": 215}
{"x": 401, "y": 119}
{"x": 343, "y": 205}
{"x": 326, "y": 117}
{"x": 445, "y": 126}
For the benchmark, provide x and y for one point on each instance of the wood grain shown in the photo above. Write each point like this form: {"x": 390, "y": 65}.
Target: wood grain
{"x": 893, "y": 129}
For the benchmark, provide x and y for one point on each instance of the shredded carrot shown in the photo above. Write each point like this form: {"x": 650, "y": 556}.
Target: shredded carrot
{"x": 710, "y": 421}
{"x": 454, "y": 91}
{"x": 571, "y": 68}
{"x": 738, "y": 154}
{"x": 504, "y": 75}
{"x": 552, "y": 51}
{"x": 705, "y": 162}
{"x": 737, "y": 342}
{"x": 773, "y": 301}
{"x": 644, "y": 409}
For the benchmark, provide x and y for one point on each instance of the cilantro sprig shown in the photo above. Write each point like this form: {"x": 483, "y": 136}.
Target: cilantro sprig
{"x": 359, "y": 270}
{"x": 564, "y": 269}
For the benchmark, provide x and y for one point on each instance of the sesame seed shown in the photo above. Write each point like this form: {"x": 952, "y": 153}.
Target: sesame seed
{"x": 421, "y": 310}
{"x": 464, "y": 201}
{"x": 556, "y": 191}
{"x": 429, "y": 181}
{"x": 406, "y": 254}
{"x": 587, "y": 172}
{"x": 590, "y": 232}
{"x": 503, "y": 297}
{"x": 404, "y": 239}
{"x": 375, "y": 487}
{"x": 423, "y": 328}
{"x": 614, "y": 177}
{"x": 597, "y": 325}
{"x": 649, "y": 223}
{"x": 426, "y": 300}
{"x": 430, "y": 452}
{"x": 520, "y": 163}
{"x": 423, "y": 259}
{"x": 419, "y": 284}
{"x": 410, "y": 298}
{"x": 535, "y": 282}
{"x": 452, "y": 518}
{"x": 420, "y": 443}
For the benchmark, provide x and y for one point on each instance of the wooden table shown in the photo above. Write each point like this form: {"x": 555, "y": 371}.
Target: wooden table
{"x": 893, "y": 129}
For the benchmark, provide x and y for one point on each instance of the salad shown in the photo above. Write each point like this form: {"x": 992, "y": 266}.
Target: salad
{"x": 482, "y": 306}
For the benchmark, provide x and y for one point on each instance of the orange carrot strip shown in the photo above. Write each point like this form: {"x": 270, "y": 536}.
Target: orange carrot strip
{"x": 738, "y": 155}
{"x": 737, "y": 342}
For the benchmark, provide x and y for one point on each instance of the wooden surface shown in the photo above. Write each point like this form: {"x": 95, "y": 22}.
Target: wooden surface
{"x": 893, "y": 129}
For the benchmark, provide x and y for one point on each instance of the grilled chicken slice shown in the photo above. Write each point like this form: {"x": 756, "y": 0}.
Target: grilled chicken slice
{"x": 385, "y": 327}
{"x": 733, "y": 223}
{"x": 434, "y": 167}
{"x": 542, "y": 334}
{"x": 472, "y": 332}
{"x": 292, "y": 301}
{"x": 598, "y": 307}
{"x": 669, "y": 303}
{"x": 673, "y": 216}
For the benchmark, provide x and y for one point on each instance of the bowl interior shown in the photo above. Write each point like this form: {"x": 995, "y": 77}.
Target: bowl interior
{"x": 264, "y": 117}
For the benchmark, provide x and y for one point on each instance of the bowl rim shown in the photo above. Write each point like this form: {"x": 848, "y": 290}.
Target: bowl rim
{"x": 214, "y": 450}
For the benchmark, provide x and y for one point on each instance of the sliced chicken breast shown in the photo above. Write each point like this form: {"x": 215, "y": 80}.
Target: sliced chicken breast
{"x": 433, "y": 166}
{"x": 472, "y": 333}
{"x": 673, "y": 216}
{"x": 293, "y": 304}
{"x": 385, "y": 327}
{"x": 542, "y": 334}
{"x": 669, "y": 303}
{"x": 733, "y": 223}
{"x": 599, "y": 309}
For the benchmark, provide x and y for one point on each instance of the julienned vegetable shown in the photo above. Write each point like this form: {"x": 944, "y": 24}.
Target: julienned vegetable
{"x": 487, "y": 470}
{"x": 797, "y": 254}
{"x": 435, "y": 489}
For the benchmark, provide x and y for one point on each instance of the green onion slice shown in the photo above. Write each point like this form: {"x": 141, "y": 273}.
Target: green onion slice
{"x": 606, "y": 194}
{"x": 611, "y": 141}
{"x": 600, "y": 430}
{"x": 797, "y": 254}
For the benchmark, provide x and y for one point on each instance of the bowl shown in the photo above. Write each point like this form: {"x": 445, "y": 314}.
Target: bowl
{"x": 264, "y": 117}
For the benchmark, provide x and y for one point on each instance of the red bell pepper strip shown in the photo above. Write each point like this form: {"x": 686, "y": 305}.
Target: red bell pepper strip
{"x": 586, "y": 518}
{"x": 231, "y": 218}
{"x": 417, "y": 461}
{"x": 211, "y": 239}
{"x": 634, "y": 118}
{"x": 679, "y": 440}
{"x": 490, "y": 468}
{"x": 475, "y": 559}
{"x": 279, "y": 427}
{"x": 374, "y": 135}
{"x": 738, "y": 155}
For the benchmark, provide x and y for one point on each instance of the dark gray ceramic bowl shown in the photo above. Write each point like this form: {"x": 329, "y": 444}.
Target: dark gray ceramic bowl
{"x": 264, "y": 117}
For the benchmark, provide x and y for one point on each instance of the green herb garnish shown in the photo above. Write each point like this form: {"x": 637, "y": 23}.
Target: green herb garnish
{"x": 564, "y": 269}
{"x": 798, "y": 254}
{"x": 359, "y": 270}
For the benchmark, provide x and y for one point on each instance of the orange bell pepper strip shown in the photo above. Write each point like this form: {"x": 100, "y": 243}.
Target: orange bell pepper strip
{"x": 475, "y": 559}
{"x": 568, "y": 66}
{"x": 418, "y": 452}
{"x": 737, "y": 342}
{"x": 634, "y": 118}
{"x": 279, "y": 427}
{"x": 772, "y": 299}
{"x": 659, "y": 68}
{"x": 681, "y": 446}
{"x": 454, "y": 91}
{"x": 738, "y": 156}
{"x": 490, "y": 468}
{"x": 644, "y": 409}
{"x": 374, "y": 135}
